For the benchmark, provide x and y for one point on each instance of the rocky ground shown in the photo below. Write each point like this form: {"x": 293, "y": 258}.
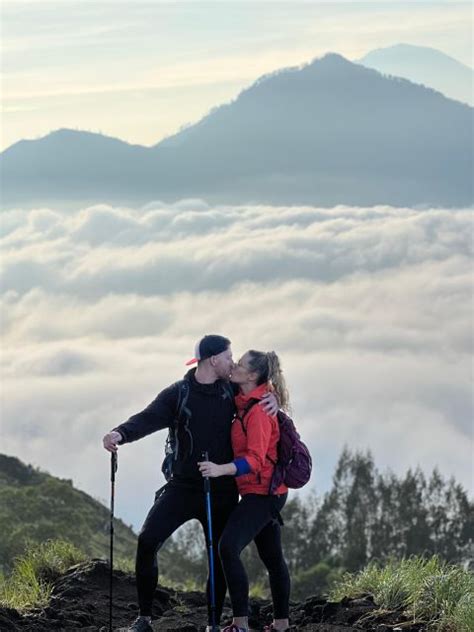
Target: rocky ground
{"x": 80, "y": 601}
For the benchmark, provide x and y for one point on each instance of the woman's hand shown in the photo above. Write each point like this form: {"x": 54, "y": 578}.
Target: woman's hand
{"x": 208, "y": 468}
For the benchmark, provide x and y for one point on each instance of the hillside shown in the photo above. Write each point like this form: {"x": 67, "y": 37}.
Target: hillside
{"x": 331, "y": 132}
{"x": 36, "y": 506}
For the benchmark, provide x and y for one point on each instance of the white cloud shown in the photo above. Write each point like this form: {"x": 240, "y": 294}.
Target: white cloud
{"x": 369, "y": 309}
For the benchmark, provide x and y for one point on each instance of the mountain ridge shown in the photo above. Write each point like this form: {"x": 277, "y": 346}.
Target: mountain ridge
{"x": 326, "y": 133}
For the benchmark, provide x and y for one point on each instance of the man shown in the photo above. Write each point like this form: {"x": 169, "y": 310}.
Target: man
{"x": 198, "y": 411}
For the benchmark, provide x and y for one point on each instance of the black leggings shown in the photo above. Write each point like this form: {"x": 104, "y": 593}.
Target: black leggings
{"x": 256, "y": 518}
{"x": 173, "y": 507}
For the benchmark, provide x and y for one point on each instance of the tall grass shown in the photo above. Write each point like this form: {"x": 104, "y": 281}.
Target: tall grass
{"x": 427, "y": 590}
{"x": 30, "y": 582}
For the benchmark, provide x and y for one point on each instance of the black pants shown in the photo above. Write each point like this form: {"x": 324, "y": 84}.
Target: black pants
{"x": 173, "y": 507}
{"x": 256, "y": 518}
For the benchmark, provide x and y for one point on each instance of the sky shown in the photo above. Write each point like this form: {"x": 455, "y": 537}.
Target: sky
{"x": 140, "y": 71}
{"x": 370, "y": 309}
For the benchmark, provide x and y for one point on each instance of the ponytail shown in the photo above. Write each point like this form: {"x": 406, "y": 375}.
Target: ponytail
{"x": 268, "y": 368}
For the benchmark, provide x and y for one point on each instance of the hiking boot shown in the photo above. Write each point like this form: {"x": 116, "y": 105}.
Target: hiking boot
{"x": 141, "y": 624}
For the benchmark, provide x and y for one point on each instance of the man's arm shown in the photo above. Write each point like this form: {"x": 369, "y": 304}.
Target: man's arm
{"x": 156, "y": 416}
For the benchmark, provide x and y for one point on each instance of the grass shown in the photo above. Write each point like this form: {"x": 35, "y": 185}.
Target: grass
{"x": 30, "y": 582}
{"x": 426, "y": 590}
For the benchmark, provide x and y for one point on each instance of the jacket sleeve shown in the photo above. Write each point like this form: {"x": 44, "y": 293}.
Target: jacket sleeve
{"x": 259, "y": 432}
{"x": 156, "y": 416}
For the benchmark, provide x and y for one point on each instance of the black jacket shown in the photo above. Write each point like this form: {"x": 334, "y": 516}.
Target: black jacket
{"x": 212, "y": 410}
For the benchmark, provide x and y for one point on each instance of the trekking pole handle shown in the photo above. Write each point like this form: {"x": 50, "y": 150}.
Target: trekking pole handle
{"x": 113, "y": 465}
{"x": 207, "y": 480}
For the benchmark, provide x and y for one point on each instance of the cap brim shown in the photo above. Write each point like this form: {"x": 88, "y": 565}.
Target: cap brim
{"x": 193, "y": 361}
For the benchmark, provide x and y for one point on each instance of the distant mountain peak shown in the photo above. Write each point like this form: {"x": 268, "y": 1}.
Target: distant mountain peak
{"x": 426, "y": 66}
{"x": 332, "y": 58}
{"x": 412, "y": 52}
{"x": 68, "y": 136}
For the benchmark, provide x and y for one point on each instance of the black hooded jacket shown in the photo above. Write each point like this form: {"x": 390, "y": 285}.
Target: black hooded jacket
{"x": 211, "y": 408}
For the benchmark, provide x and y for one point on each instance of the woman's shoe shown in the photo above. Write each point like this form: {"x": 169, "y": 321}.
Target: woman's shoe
{"x": 234, "y": 628}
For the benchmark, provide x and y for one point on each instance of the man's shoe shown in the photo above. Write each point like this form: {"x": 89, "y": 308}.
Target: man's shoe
{"x": 141, "y": 624}
{"x": 270, "y": 628}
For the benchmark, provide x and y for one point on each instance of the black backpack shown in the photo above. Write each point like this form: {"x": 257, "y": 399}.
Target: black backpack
{"x": 180, "y": 432}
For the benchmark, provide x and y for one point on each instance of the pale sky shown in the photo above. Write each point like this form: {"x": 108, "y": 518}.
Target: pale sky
{"x": 139, "y": 71}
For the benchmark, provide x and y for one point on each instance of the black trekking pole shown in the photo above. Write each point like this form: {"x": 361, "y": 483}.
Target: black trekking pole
{"x": 207, "y": 491}
{"x": 113, "y": 469}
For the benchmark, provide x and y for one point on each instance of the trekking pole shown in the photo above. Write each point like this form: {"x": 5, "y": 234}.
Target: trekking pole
{"x": 207, "y": 491}
{"x": 113, "y": 469}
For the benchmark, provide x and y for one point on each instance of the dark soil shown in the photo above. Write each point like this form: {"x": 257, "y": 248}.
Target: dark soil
{"x": 80, "y": 601}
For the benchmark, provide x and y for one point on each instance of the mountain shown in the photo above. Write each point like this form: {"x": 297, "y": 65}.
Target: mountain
{"x": 36, "y": 506}
{"x": 424, "y": 65}
{"x": 331, "y": 132}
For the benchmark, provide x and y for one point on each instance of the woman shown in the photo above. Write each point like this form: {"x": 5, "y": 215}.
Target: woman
{"x": 255, "y": 436}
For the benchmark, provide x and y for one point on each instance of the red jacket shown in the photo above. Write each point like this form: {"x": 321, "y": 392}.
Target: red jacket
{"x": 255, "y": 445}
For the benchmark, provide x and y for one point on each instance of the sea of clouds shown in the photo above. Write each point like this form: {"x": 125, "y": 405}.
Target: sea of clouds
{"x": 369, "y": 308}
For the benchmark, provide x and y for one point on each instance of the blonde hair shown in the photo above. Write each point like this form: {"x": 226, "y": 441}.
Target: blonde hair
{"x": 268, "y": 368}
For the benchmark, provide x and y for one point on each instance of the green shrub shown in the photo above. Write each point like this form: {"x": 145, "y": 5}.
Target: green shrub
{"x": 33, "y": 574}
{"x": 125, "y": 564}
{"x": 429, "y": 590}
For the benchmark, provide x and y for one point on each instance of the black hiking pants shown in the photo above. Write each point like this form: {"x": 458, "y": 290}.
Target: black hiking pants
{"x": 172, "y": 508}
{"x": 257, "y": 518}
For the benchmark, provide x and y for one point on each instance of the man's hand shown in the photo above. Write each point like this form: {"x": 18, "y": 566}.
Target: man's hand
{"x": 270, "y": 404}
{"x": 111, "y": 441}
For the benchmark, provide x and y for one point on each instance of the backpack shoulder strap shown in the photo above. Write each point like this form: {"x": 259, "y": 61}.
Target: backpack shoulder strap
{"x": 245, "y": 412}
{"x": 182, "y": 399}
{"x": 181, "y": 418}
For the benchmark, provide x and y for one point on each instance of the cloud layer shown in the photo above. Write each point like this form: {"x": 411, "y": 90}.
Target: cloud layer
{"x": 369, "y": 309}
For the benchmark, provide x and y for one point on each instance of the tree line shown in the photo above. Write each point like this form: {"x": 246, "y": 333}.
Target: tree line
{"x": 366, "y": 516}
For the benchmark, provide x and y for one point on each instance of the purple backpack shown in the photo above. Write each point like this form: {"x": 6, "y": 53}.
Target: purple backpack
{"x": 293, "y": 465}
